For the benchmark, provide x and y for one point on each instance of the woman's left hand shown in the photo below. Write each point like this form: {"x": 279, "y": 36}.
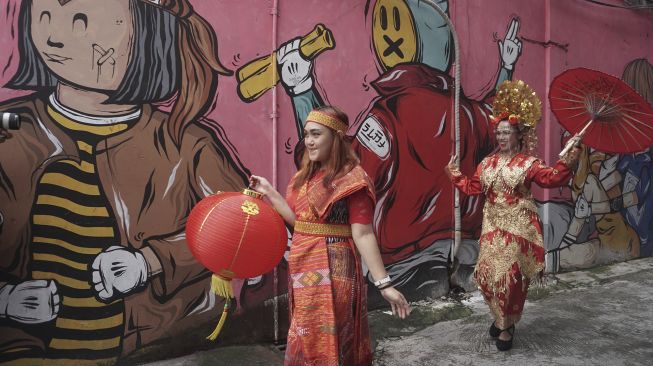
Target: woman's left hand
{"x": 575, "y": 153}
{"x": 397, "y": 301}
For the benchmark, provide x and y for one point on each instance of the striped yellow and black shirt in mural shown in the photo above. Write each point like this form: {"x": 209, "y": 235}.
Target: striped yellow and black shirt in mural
{"x": 71, "y": 224}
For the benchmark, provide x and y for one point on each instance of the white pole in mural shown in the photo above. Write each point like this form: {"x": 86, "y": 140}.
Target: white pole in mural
{"x": 456, "y": 112}
{"x": 275, "y": 117}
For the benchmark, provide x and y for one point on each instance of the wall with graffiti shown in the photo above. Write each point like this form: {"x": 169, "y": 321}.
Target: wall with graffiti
{"x": 134, "y": 110}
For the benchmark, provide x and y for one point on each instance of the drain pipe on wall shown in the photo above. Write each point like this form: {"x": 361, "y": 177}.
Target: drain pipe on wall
{"x": 274, "y": 116}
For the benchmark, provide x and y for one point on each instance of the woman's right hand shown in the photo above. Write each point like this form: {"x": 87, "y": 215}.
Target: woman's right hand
{"x": 260, "y": 185}
{"x": 400, "y": 306}
{"x": 453, "y": 168}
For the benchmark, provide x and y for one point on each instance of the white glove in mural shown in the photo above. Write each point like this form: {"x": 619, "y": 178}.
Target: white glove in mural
{"x": 296, "y": 71}
{"x": 118, "y": 269}
{"x": 510, "y": 47}
{"x": 583, "y": 209}
{"x": 30, "y": 302}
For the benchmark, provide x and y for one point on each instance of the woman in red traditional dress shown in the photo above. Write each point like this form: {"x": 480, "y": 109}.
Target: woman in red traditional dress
{"x": 511, "y": 245}
{"x": 330, "y": 204}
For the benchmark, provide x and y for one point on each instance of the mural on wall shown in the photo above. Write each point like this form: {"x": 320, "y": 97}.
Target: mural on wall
{"x": 404, "y": 141}
{"x": 611, "y": 216}
{"x": 96, "y": 186}
{"x": 637, "y": 169}
{"x": 403, "y": 138}
{"x": 116, "y": 148}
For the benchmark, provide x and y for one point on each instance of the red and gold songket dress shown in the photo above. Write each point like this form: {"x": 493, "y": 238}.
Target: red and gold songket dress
{"x": 511, "y": 246}
{"x": 327, "y": 296}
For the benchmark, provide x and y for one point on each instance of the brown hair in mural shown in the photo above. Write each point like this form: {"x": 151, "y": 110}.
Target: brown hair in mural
{"x": 96, "y": 186}
{"x": 638, "y": 73}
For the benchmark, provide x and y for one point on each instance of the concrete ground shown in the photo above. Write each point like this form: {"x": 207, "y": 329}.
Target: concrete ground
{"x": 598, "y": 317}
{"x": 601, "y": 316}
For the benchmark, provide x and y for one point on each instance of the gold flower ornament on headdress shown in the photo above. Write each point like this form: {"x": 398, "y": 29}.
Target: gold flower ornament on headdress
{"x": 518, "y": 103}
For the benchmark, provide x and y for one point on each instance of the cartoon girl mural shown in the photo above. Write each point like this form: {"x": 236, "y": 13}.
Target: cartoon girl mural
{"x": 96, "y": 186}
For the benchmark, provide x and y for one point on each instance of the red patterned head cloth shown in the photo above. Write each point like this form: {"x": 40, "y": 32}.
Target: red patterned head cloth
{"x": 326, "y": 120}
{"x": 198, "y": 50}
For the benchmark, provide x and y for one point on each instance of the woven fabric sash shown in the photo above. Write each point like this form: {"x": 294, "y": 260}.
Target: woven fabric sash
{"x": 321, "y": 229}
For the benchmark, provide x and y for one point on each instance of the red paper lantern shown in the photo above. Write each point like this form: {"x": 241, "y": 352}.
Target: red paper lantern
{"x": 236, "y": 235}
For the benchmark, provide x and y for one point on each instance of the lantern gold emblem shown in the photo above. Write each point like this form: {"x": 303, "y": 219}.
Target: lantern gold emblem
{"x": 250, "y": 208}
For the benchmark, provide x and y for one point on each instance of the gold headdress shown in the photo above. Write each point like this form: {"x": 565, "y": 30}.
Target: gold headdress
{"x": 517, "y": 103}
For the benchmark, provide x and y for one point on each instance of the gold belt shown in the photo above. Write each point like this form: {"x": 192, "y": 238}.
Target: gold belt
{"x": 319, "y": 229}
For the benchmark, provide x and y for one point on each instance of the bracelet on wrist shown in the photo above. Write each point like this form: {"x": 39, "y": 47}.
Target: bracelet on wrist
{"x": 382, "y": 281}
{"x": 384, "y": 286}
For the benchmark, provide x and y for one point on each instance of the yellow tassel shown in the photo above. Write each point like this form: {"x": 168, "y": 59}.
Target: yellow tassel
{"x": 218, "y": 328}
{"x": 221, "y": 287}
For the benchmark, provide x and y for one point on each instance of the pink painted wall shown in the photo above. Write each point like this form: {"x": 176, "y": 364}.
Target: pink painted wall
{"x": 598, "y": 37}
{"x": 556, "y": 35}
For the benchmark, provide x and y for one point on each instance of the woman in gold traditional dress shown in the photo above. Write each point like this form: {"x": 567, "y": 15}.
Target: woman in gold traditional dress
{"x": 330, "y": 204}
{"x": 511, "y": 245}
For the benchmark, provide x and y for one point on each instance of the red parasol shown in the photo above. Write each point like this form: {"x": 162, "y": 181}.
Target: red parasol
{"x": 604, "y": 111}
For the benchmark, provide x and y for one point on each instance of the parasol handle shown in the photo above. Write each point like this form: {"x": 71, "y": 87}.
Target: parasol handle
{"x": 571, "y": 141}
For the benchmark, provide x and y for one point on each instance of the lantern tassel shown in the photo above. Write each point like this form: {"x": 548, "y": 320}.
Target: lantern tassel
{"x": 221, "y": 287}
{"x": 213, "y": 336}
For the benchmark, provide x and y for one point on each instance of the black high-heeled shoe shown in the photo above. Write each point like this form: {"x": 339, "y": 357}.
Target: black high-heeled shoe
{"x": 506, "y": 345}
{"x": 494, "y": 331}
